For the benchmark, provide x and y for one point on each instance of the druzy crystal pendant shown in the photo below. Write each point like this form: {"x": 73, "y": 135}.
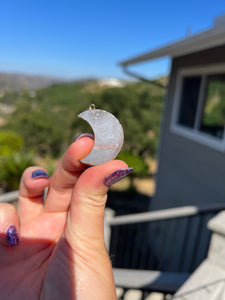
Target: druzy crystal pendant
{"x": 108, "y": 135}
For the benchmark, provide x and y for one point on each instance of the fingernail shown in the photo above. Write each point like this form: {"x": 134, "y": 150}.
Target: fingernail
{"x": 39, "y": 174}
{"x": 116, "y": 176}
{"x": 12, "y": 236}
{"x": 90, "y": 135}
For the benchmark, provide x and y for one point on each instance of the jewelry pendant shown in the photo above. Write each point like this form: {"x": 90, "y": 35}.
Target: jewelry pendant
{"x": 108, "y": 134}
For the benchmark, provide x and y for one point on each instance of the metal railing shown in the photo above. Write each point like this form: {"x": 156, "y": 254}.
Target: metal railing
{"x": 172, "y": 240}
{"x": 175, "y": 239}
{"x": 9, "y": 197}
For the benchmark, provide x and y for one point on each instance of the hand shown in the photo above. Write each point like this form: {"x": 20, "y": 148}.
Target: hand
{"x": 61, "y": 253}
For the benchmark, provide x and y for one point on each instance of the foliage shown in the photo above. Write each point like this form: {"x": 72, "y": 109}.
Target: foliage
{"x": 12, "y": 167}
{"x": 41, "y": 129}
{"x": 139, "y": 165}
{"x": 46, "y": 122}
{"x": 214, "y": 113}
{"x": 138, "y": 108}
{"x": 10, "y": 142}
{"x": 13, "y": 160}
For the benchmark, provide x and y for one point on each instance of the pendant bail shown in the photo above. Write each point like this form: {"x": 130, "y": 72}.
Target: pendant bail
{"x": 91, "y": 107}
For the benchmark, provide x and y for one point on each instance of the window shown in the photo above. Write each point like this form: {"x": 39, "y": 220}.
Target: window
{"x": 213, "y": 116}
{"x": 189, "y": 101}
{"x": 199, "y": 110}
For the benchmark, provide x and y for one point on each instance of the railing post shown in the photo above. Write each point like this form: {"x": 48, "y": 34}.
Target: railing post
{"x": 217, "y": 244}
{"x": 207, "y": 282}
{"x": 109, "y": 215}
{"x": 9, "y": 197}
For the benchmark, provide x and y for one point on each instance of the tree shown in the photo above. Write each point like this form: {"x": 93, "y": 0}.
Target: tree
{"x": 13, "y": 159}
{"x": 138, "y": 108}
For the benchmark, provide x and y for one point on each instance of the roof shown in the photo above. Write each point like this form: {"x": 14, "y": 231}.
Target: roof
{"x": 210, "y": 38}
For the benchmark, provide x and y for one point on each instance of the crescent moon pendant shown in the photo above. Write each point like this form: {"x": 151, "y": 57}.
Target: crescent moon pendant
{"x": 108, "y": 134}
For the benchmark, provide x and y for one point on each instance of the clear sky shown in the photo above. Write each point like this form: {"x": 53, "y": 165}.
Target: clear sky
{"x": 79, "y": 39}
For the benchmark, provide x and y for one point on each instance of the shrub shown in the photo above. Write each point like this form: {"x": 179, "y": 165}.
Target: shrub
{"x": 10, "y": 142}
{"x": 12, "y": 167}
{"x": 135, "y": 161}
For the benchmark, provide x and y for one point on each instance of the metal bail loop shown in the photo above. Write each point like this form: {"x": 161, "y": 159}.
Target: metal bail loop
{"x": 91, "y": 107}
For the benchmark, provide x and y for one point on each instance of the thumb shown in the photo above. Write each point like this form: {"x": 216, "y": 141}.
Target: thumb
{"x": 84, "y": 230}
{"x": 85, "y": 220}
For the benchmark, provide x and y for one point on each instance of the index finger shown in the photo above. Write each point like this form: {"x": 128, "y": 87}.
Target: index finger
{"x": 66, "y": 174}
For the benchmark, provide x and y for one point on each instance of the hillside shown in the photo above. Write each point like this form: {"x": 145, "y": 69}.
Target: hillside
{"x": 49, "y": 115}
{"x": 18, "y": 82}
{"x": 41, "y": 125}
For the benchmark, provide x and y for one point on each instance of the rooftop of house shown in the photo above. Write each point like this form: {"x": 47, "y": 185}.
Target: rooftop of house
{"x": 207, "y": 39}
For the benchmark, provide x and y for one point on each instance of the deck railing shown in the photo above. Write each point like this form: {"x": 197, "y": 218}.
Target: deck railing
{"x": 9, "y": 197}
{"x": 175, "y": 239}
{"x": 170, "y": 240}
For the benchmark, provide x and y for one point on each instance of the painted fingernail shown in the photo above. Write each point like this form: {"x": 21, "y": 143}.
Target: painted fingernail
{"x": 90, "y": 135}
{"x": 12, "y": 236}
{"x": 39, "y": 174}
{"x": 116, "y": 176}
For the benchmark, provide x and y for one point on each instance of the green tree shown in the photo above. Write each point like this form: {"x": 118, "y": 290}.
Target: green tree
{"x": 48, "y": 122}
{"x": 10, "y": 142}
{"x": 138, "y": 108}
{"x": 13, "y": 159}
{"x": 42, "y": 130}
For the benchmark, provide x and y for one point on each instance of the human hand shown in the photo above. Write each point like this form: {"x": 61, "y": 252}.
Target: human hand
{"x": 61, "y": 253}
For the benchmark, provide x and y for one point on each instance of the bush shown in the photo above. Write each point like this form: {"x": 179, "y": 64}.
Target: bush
{"x": 10, "y": 142}
{"x": 135, "y": 161}
{"x": 12, "y": 167}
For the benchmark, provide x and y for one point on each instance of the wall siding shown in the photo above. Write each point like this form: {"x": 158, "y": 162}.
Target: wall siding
{"x": 189, "y": 172}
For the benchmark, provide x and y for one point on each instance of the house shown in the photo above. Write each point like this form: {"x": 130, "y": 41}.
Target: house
{"x": 192, "y": 141}
{"x": 190, "y": 177}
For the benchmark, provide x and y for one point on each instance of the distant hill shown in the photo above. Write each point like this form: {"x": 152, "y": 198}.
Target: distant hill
{"x": 18, "y": 82}
{"x": 15, "y": 82}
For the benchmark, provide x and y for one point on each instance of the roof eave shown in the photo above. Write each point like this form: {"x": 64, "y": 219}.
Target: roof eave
{"x": 198, "y": 42}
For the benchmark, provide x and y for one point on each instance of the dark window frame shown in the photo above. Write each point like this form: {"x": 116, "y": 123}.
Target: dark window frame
{"x": 194, "y": 132}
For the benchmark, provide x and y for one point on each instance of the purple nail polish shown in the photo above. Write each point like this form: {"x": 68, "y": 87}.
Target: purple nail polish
{"x": 12, "y": 236}
{"x": 116, "y": 176}
{"x": 39, "y": 174}
{"x": 90, "y": 135}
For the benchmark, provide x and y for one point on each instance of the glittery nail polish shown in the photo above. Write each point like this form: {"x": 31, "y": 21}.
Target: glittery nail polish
{"x": 39, "y": 174}
{"x": 12, "y": 236}
{"x": 116, "y": 176}
{"x": 90, "y": 135}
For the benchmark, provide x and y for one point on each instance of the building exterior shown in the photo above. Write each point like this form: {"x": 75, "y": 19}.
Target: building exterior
{"x": 192, "y": 141}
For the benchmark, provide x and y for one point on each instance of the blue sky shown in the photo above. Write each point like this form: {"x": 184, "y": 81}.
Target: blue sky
{"x": 79, "y": 39}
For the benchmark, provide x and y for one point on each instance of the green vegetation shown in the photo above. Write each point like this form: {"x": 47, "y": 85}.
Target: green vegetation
{"x": 12, "y": 167}
{"x": 214, "y": 113}
{"x": 214, "y": 110}
{"x": 10, "y": 142}
{"x": 45, "y": 123}
{"x": 13, "y": 159}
